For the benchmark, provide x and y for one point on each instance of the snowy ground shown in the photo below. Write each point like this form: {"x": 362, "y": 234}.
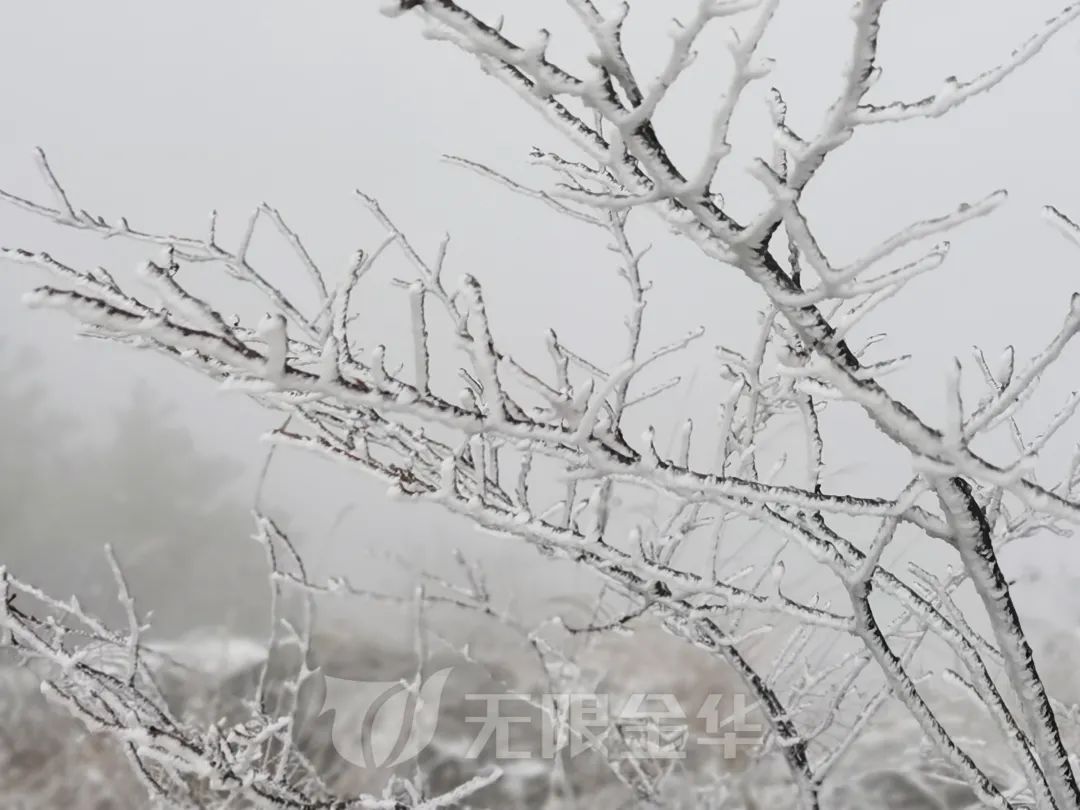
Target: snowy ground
{"x": 48, "y": 760}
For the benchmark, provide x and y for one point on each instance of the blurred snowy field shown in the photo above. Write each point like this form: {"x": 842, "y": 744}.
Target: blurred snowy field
{"x": 50, "y": 760}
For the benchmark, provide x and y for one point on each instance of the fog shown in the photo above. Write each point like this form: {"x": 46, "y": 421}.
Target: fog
{"x": 162, "y": 112}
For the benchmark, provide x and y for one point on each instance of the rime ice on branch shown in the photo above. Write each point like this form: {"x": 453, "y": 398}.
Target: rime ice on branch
{"x": 491, "y": 449}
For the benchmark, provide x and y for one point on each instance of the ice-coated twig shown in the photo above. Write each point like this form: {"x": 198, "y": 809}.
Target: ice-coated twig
{"x": 973, "y": 540}
{"x": 956, "y": 92}
{"x": 1067, "y": 227}
{"x": 535, "y": 452}
{"x": 516, "y": 187}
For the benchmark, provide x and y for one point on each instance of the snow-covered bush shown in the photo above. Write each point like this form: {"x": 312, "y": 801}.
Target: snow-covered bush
{"x": 706, "y": 528}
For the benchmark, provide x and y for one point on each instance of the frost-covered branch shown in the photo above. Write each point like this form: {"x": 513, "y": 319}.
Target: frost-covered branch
{"x": 552, "y": 454}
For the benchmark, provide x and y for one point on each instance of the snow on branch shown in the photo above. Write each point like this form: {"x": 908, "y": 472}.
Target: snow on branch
{"x": 955, "y": 92}
{"x": 691, "y": 524}
{"x": 109, "y": 680}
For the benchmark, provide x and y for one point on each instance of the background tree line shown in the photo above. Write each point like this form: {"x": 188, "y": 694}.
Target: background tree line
{"x": 176, "y": 518}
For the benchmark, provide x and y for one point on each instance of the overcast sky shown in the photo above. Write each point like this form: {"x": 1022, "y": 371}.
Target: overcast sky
{"x": 162, "y": 111}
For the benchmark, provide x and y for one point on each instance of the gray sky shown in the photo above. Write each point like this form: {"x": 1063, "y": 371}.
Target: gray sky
{"x": 162, "y": 111}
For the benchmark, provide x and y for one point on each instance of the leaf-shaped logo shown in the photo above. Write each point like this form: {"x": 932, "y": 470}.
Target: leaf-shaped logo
{"x": 381, "y": 724}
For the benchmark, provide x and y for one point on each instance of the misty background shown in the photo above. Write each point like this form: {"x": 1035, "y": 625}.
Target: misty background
{"x": 161, "y": 112}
